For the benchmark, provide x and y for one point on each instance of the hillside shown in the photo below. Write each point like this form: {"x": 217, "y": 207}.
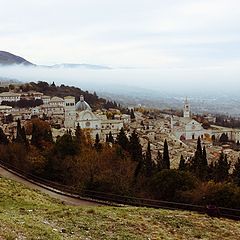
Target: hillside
{"x": 7, "y": 58}
{"x": 62, "y": 91}
{"x": 28, "y": 214}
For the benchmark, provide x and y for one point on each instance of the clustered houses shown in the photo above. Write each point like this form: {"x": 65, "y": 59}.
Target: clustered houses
{"x": 14, "y": 97}
{"x": 181, "y": 134}
{"x": 186, "y": 128}
{"x": 9, "y": 96}
{"x": 64, "y": 112}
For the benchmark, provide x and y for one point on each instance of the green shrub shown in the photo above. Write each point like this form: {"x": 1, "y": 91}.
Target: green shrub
{"x": 168, "y": 184}
{"x": 221, "y": 194}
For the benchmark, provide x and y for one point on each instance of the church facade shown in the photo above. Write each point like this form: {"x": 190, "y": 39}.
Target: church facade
{"x": 186, "y": 128}
{"x": 81, "y": 114}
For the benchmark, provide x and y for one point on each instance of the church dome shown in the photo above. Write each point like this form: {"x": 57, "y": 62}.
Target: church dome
{"x": 82, "y": 105}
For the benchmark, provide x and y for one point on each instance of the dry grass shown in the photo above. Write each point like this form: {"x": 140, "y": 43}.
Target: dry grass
{"x": 28, "y": 214}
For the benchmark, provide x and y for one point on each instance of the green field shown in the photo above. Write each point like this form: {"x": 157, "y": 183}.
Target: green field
{"x": 28, "y": 214}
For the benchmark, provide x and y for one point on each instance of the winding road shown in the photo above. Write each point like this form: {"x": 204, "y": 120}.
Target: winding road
{"x": 44, "y": 189}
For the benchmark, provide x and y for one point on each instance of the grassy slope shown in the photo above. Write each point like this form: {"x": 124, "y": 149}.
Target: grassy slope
{"x": 28, "y": 214}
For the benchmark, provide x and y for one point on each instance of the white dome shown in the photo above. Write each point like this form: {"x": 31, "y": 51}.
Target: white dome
{"x": 82, "y": 105}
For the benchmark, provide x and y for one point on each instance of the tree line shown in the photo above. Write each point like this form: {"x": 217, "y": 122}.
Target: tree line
{"x": 121, "y": 166}
{"x": 23, "y": 103}
{"x": 61, "y": 91}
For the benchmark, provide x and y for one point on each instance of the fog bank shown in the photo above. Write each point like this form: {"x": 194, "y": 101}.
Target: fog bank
{"x": 180, "y": 81}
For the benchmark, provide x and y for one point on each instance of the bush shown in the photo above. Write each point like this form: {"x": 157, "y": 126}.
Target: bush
{"x": 221, "y": 194}
{"x": 168, "y": 184}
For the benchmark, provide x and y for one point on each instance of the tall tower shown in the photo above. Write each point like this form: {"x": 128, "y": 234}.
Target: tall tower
{"x": 70, "y": 112}
{"x": 186, "y": 109}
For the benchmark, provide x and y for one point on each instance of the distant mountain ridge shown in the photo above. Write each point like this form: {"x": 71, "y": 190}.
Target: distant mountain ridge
{"x": 83, "y": 65}
{"x": 9, "y": 59}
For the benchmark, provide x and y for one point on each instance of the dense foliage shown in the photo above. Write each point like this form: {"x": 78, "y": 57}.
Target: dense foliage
{"x": 62, "y": 91}
{"x": 23, "y": 103}
{"x": 227, "y": 121}
{"x": 120, "y": 166}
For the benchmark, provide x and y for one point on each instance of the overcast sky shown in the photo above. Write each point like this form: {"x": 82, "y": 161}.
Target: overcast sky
{"x": 174, "y": 37}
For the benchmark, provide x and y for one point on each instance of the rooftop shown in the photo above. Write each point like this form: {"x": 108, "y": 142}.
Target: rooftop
{"x": 9, "y": 94}
{"x": 56, "y": 99}
{"x": 82, "y": 105}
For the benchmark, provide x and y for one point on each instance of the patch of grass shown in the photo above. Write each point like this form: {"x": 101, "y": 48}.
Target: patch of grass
{"x": 29, "y": 214}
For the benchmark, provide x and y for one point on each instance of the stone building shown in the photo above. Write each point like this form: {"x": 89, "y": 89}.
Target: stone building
{"x": 54, "y": 108}
{"x": 82, "y": 114}
{"x": 186, "y": 128}
{"x": 9, "y": 97}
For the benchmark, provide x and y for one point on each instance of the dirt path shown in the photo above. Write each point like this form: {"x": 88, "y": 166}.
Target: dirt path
{"x": 67, "y": 200}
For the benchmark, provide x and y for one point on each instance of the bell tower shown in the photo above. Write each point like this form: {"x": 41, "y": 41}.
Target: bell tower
{"x": 70, "y": 112}
{"x": 186, "y": 109}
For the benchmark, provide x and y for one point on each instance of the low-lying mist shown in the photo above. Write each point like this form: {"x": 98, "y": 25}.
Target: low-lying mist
{"x": 172, "y": 82}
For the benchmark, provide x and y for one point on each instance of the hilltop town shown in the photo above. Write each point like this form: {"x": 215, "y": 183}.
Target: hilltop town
{"x": 77, "y": 140}
{"x": 66, "y": 113}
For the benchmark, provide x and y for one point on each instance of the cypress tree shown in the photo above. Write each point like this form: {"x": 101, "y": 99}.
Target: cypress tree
{"x": 203, "y": 165}
{"x": 80, "y": 136}
{"x": 221, "y": 168}
{"x": 78, "y": 133}
{"x": 138, "y": 169}
{"x": 199, "y": 163}
{"x": 199, "y": 148}
{"x": 236, "y": 172}
{"x": 182, "y": 164}
{"x": 48, "y": 135}
{"x": 135, "y": 147}
{"x": 148, "y": 161}
{"x": 159, "y": 161}
{"x": 122, "y": 140}
{"x": 132, "y": 115}
{"x": 21, "y": 134}
{"x": 24, "y": 137}
{"x": 35, "y": 136}
{"x": 223, "y": 138}
{"x": 65, "y": 145}
{"x": 211, "y": 171}
{"x": 19, "y": 137}
{"x": 204, "y": 155}
{"x": 97, "y": 143}
{"x": 166, "y": 159}
{"x": 107, "y": 138}
{"x": 3, "y": 137}
{"x": 110, "y": 137}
